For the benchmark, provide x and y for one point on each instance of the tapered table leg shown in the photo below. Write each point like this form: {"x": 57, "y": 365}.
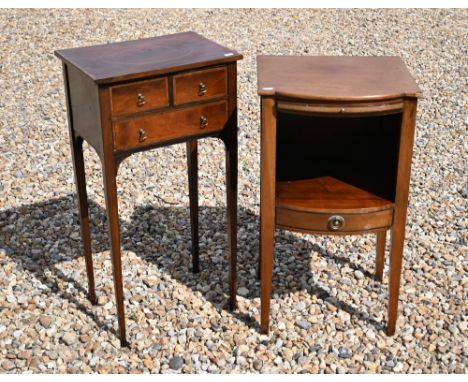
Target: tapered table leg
{"x": 192, "y": 168}
{"x": 267, "y": 206}
{"x": 399, "y": 216}
{"x": 380, "y": 254}
{"x": 230, "y": 141}
{"x": 110, "y": 189}
{"x": 80, "y": 181}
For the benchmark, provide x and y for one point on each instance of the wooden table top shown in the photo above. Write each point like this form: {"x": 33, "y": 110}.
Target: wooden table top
{"x": 127, "y": 60}
{"x": 337, "y": 78}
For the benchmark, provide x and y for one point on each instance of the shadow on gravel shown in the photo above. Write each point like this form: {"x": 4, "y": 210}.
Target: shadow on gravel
{"x": 39, "y": 236}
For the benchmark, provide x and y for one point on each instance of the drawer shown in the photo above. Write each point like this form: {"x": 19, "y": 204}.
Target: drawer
{"x": 200, "y": 85}
{"x": 170, "y": 125}
{"x": 333, "y": 223}
{"x": 140, "y": 96}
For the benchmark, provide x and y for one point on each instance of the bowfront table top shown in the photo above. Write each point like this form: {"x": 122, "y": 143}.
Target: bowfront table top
{"x": 125, "y": 60}
{"x": 339, "y": 78}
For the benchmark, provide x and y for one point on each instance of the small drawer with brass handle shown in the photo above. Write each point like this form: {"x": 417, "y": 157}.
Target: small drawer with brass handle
{"x": 200, "y": 85}
{"x": 140, "y": 96}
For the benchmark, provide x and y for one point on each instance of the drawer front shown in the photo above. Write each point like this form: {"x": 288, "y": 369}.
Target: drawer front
{"x": 333, "y": 223}
{"x": 166, "y": 126}
{"x": 140, "y": 96}
{"x": 200, "y": 85}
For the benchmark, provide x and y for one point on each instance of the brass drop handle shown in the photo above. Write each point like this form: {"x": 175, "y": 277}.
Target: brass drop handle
{"x": 141, "y": 99}
{"x": 202, "y": 89}
{"x": 203, "y": 122}
{"x": 142, "y": 135}
{"x": 336, "y": 222}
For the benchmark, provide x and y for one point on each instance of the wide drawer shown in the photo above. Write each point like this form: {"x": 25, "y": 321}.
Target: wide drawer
{"x": 200, "y": 85}
{"x": 171, "y": 125}
{"x": 333, "y": 223}
{"x": 140, "y": 96}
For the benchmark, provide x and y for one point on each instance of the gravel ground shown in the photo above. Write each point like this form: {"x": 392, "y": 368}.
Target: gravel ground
{"x": 327, "y": 312}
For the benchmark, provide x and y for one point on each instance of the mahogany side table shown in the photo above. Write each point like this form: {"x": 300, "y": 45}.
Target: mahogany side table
{"x": 127, "y": 97}
{"x": 336, "y": 145}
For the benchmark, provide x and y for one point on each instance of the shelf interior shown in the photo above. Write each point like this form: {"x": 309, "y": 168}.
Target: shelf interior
{"x": 345, "y": 164}
{"x": 327, "y": 194}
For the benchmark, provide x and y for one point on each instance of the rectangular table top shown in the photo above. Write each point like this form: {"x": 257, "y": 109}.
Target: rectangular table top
{"x": 126, "y": 60}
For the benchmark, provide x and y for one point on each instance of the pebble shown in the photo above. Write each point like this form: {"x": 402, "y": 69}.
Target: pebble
{"x": 176, "y": 363}
{"x": 69, "y": 338}
{"x": 242, "y": 291}
{"x": 45, "y": 321}
{"x": 7, "y": 365}
{"x": 303, "y": 324}
{"x": 359, "y": 275}
{"x": 344, "y": 352}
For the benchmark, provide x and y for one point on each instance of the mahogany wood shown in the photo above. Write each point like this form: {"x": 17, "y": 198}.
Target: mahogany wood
{"x": 153, "y": 93}
{"x": 160, "y": 127}
{"x": 200, "y": 85}
{"x": 337, "y": 137}
{"x": 120, "y": 100}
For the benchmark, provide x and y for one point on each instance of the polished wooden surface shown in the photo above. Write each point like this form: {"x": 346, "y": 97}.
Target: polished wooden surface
{"x": 335, "y": 78}
{"x": 120, "y": 98}
{"x": 200, "y": 85}
{"x": 324, "y": 194}
{"x": 337, "y": 138}
{"x": 140, "y": 96}
{"x": 159, "y": 127}
{"x": 128, "y": 60}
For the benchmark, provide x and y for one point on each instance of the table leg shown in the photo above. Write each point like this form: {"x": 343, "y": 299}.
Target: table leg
{"x": 192, "y": 169}
{"x": 110, "y": 189}
{"x": 399, "y": 216}
{"x": 80, "y": 181}
{"x": 230, "y": 141}
{"x": 267, "y": 206}
{"x": 380, "y": 254}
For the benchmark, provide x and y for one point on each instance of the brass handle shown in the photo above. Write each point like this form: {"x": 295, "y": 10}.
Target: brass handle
{"x": 336, "y": 222}
{"x": 142, "y": 135}
{"x": 203, "y": 122}
{"x": 202, "y": 89}
{"x": 141, "y": 99}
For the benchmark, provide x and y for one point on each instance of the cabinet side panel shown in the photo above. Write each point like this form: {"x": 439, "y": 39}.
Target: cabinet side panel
{"x": 84, "y": 100}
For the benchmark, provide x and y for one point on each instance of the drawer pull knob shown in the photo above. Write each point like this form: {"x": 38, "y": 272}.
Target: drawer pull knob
{"x": 203, "y": 122}
{"x": 140, "y": 99}
{"x": 142, "y": 135}
{"x": 336, "y": 222}
{"x": 202, "y": 89}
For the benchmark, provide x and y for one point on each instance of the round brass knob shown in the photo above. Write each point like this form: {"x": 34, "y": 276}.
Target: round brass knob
{"x": 142, "y": 135}
{"x": 203, "y": 122}
{"x": 336, "y": 222}
{"x": 202, "y": 89}
{"x": 141, "y": 99}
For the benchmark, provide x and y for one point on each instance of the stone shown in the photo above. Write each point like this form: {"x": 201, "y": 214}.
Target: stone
{"x": 358, "y": 274}
{"x": 45, "y": 321}
{"x": 69, "y": 338}
{"x": 344, "y": 352}
{"x": 176, "y": 363}
{"x": 242, "y": 291}
{"x": 303, "y": 324}
{"x": 8, "y": 365}
{"x": 257, "y": 364}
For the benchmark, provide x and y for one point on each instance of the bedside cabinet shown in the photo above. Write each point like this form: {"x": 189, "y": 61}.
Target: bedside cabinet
{"x": 336, "y": 145}
{"x": 132, "y": 96}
